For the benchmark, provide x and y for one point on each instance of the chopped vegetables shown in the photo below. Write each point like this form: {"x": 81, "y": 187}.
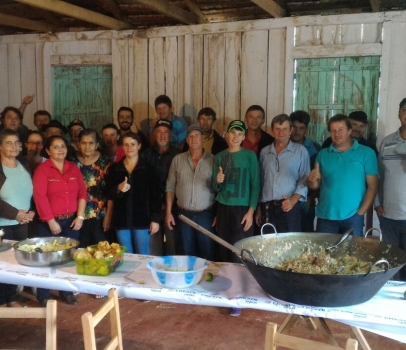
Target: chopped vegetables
{"x": 47, "y": 247}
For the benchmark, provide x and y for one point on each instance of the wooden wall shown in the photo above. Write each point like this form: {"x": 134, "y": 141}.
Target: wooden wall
{"x": 227, "y": 66}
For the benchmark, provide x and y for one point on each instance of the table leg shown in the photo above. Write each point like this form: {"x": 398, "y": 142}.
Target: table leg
{"x": 288, "y": 323}
{"x": 361, "y": 339}
{"x": 325, "y": 331}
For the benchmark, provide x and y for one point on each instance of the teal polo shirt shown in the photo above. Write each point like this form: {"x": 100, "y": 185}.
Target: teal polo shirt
{"x": 343, "y": 182}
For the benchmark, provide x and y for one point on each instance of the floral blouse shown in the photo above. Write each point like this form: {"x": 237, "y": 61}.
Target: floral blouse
{"x": 94, "y": 176}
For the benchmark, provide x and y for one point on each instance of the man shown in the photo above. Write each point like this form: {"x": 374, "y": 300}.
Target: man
{"x": 256, "y": 138}
{"x": 41, "y": 117}
{"x": 390, "y": 204}
{"x": 160, "y": 157}
{"x": 74, "y": 128}
{"x": 54, "y": 127}
{"x": 11, "y": 118}
{"x": 300, "y": 122}
{"x": 110, "y": 135}
{"x": 213, "y": 143}
{"x": 284, "y": 168}
{"x": 346, "y": 174}
{"x": 125, "y": 119}
{"x": 189, "y": 180}
{"x": 359, "y": 123}
{"x": 164, "y": 110}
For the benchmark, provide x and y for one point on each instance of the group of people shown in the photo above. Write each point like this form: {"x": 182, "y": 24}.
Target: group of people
{"x": 138, "y": 186}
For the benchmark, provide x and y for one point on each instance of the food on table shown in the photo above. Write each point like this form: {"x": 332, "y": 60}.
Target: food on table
{"x": 47, "y": 247}
{"x": 208, "y": 277}
{"x": 103, "y": 250}
{"x": 323, "y": 263}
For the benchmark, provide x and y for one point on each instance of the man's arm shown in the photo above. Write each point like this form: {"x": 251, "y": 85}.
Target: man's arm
{"x": 26, "y": 101}
{"x": 169, "y": 219}
{"x": 370, "y": 193}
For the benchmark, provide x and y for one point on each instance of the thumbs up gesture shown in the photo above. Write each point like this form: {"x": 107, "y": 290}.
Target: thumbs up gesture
{"x": 124, "y": 186}
{"x": 220, "y": 176}
{"x": 315, "y": 175}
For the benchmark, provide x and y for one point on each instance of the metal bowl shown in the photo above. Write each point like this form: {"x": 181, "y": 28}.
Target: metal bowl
{"x": 38, "y": 258}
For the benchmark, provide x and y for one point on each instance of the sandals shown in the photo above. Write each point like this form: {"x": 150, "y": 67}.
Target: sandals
{"x": 100, "y": 296}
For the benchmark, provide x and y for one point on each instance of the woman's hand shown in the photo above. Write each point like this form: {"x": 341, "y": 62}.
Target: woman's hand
{"x": 76, "y": 224}
{"x": 124, "y": 186}
{"x": 153, "y": 227}
{"x": 106, "y": 223}
{"x": 24, "y": 216}
{"x": 54, "y": 227}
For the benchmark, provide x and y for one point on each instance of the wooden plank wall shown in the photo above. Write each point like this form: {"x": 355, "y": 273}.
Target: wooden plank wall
{"x": 227, "y": 66}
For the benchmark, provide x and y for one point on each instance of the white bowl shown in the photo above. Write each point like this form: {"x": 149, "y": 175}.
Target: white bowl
{"x": 177, "y": 271}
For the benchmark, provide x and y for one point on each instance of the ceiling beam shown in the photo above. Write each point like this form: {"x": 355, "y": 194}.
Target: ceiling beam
{"x": 112, "y": 7}
{"x": 169, "y": 10}
{"x": 375, "y": 5}
{"x": 196, "y": 10}
{"x": 19, "y": 22}
{"x": 74, "y": 11}
{"x": 271, "y": 7}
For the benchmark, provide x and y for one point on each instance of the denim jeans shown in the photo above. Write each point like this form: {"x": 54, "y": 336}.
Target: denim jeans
{"x": 196, "y": 243}
{"x": 394, "y": 232}
{"x": 356, "y": 222}
{"x": 44, "y": 231}
{"x": 135, "y": 241}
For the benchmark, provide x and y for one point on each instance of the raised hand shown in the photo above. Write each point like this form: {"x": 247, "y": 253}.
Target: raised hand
{"x": 315, "y": 174}
{"x": 220, "y": 176}
{"x": 124, "y": 186}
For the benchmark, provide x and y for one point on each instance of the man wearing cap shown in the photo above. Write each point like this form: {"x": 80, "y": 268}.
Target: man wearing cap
{"x": 125, "y": 119}
{"x": 164, "y": 110}
{"x": 347, "y": 175}
{"x": 189, "y": 180}
{"x": 390, "y": 204}
{"x": 55, "y": 128}
{"x": 74, "y": 128}
{"x": 284, "y": 168}
{"x": 359, "y": 123}
{"x": 160, "y": 157}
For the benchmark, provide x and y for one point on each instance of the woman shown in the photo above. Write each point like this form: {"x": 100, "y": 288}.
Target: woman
{"x": 133, "y": 188}
{"x": 93, "y": 166}
{"x": 60, "y": 199}
{"x": 34, "y": 147}
{"x": 15, "y": 174}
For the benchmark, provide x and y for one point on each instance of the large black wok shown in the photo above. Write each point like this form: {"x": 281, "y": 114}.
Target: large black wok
{"x": 260, "y": 254}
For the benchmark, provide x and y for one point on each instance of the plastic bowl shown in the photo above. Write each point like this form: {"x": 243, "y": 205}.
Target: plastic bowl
{"x": 177, "y": 271}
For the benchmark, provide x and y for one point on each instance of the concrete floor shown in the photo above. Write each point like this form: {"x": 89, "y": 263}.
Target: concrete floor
{"x": 165, "y": 326}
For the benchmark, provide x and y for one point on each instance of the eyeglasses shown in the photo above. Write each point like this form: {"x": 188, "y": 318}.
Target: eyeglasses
{"x": 32, "y": 143}
{"x": 11, "y": 144}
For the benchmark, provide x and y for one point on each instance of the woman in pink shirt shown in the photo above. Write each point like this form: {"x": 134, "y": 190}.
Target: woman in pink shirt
{"x": 60, "y": 198}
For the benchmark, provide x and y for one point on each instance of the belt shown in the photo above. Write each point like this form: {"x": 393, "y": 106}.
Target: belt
{"x": 64, "y": 217}
{"x": 195, "y": 211}
{"x": 275, "y": 203}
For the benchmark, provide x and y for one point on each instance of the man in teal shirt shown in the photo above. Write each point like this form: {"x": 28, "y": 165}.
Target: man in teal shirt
{"x": 347, "y": 175}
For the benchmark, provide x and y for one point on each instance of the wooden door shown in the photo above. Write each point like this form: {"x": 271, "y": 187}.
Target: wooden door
{"x": 328, "y": 86}
{"x": 83, "y": 92}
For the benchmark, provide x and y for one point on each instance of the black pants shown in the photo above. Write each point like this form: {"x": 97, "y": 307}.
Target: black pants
{"x": 283, "y": 221}
{"x": 91, "y": 232}
{"x": 230, "y": 229}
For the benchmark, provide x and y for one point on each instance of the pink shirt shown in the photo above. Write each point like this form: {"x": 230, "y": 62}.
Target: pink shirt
{"x": 55, "y": 193}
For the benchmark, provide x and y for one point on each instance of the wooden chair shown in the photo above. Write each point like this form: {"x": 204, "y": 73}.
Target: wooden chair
{"x": 49, "y": 313}
{"x": 273, "y": 338}
{"x": 90, "y": 321}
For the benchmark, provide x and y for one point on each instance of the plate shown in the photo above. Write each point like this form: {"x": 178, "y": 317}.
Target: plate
{"x": 4, "y": 247}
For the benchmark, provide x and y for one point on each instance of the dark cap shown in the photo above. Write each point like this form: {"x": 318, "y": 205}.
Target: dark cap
{"x": 54, "y": 124}
{"x": 194, "y": 127}
{"x": 75, "y": 122}
{"x": 164, "y": 122}
{"x": 237, "y": 124}
{"x": 402, "y": 103}
{"x": 359, "y": 116}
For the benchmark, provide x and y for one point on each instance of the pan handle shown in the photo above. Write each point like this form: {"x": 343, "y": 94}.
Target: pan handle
{"x": 268, "y": 224}
{"x": 210, "y": 234}
{"x": 374, "y": 229}
{"x": 382, "y": 261}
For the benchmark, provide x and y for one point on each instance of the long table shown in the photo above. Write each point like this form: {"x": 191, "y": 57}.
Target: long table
{"x": 232, "y": 286}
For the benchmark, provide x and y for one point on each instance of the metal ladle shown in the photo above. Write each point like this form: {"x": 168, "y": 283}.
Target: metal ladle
{"x": 341, "y": 240}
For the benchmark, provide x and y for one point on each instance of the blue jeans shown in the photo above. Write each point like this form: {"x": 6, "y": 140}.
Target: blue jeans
{"x": 394, "y": 232}
{"x": 136, "y": 241}
{"x": 196, "y": 243}
{"x": 44, "y": 231}
{"x": 356, "y": 222}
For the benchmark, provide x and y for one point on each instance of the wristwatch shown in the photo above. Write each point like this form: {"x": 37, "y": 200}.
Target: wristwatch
{"x": 80, "y": 217}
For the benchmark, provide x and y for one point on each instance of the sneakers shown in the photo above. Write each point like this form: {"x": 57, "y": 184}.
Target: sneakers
{"x": 235, "y": 311}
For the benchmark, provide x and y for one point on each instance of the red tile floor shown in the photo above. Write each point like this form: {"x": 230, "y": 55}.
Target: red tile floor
{"x": 165, "y": 326}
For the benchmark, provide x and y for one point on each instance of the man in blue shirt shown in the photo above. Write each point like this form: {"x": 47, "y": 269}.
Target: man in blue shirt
{"x": 346, "y": 174}
{"x": 284, "y": 168}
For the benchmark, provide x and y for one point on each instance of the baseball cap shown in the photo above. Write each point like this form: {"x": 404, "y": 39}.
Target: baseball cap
{"x": 359, "y": 116}
{"x": 402, "y": 103}
{"x": 237, "y": 124}
{"x": 164, "y": 122}
{"x": 54, "y": 124}
{"x": 194, "y": 127}
{"x": 75, "y": 122}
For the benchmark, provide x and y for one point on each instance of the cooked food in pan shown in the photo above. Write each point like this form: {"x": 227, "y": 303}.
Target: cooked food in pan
{"x": 46, "y": 247}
